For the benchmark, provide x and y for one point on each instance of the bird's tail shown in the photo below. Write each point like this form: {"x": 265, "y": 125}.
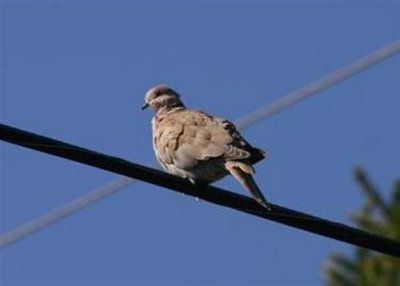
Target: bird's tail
{"x": 243, "y": 173}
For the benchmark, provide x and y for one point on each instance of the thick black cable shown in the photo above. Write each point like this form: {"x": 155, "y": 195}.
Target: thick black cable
{"x": 215, "y": 195}
{"x": 278, "y": 105}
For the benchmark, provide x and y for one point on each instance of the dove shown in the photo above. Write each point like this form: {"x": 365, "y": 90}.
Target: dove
{"x": 200, "y": 147}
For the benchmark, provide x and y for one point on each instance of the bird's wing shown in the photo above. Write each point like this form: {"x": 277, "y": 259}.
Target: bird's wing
{"x": 188, "y": 137}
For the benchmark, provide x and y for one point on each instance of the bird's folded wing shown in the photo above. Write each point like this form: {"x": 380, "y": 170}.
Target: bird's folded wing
{"x": 188, "y": 137}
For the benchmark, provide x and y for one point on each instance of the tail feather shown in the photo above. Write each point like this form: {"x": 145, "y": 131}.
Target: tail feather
{"x": 243, "y": 173}
{"x": 257, "y": 155}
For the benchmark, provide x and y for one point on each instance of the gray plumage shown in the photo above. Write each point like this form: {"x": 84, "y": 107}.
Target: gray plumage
{"x": 195, "y": 145}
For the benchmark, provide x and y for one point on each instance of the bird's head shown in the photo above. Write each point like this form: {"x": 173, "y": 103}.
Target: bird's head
{"x": 162, "y": 97}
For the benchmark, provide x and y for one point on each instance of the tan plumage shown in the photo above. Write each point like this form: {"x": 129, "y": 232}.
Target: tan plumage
{"x": 202, "y": 148}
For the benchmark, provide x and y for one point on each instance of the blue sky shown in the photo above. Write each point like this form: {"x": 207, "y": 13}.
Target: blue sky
{"x": 78, "y": 72}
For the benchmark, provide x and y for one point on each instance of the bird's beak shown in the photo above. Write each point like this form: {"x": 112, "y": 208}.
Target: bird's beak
{"x": 144, "y": 106}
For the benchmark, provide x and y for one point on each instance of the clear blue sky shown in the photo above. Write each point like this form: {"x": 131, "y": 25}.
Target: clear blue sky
{"x": 78, "y": 72}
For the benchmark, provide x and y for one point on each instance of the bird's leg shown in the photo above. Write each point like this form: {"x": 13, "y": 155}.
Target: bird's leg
{"x": 192, "y": 181}
{"x": 197, "y": 184}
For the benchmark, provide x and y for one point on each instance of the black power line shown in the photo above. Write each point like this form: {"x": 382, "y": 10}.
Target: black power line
{"x": 251, "y": 118}
{"x": 215, "y": 195}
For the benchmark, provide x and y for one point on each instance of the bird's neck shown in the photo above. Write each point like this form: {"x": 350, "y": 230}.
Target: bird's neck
{"x": 170, "y": 108}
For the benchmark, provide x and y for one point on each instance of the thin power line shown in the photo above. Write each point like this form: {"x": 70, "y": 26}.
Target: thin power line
{"x": 243, "y": 122}
{"x": 65, "y": 210}
{"x": 320, "y": 84}
{"x": 211, "y": 194}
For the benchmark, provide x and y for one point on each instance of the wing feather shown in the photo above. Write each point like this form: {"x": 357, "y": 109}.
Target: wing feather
{"x": 189, "y": 137}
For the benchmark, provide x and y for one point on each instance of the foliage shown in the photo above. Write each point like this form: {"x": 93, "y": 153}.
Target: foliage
{"x": 365, "y": 267}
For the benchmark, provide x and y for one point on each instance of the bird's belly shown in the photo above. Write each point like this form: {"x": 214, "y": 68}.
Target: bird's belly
{"x": 205, "y": 171}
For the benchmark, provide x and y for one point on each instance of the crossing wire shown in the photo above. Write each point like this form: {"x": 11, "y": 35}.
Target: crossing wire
{"x": 211, "y": 194}
{"x": 320, "y": 84}
{"x": 282, "y": 103}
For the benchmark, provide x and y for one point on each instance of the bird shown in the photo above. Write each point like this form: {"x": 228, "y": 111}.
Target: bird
{"x": 195, "y": 145}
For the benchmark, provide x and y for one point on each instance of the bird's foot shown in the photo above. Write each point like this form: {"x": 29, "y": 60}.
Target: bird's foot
{"x": 197, "y": 183}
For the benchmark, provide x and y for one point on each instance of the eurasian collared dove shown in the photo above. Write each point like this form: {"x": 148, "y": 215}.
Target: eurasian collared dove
{"x": 195, "y": 145}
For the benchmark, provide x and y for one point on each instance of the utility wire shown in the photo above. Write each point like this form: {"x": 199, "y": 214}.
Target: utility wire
{"x": 63, "y": 211}
{"x": 320, "y": 84}
{"x": 211, "y": 194}
{"x": 281, "y": 104}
